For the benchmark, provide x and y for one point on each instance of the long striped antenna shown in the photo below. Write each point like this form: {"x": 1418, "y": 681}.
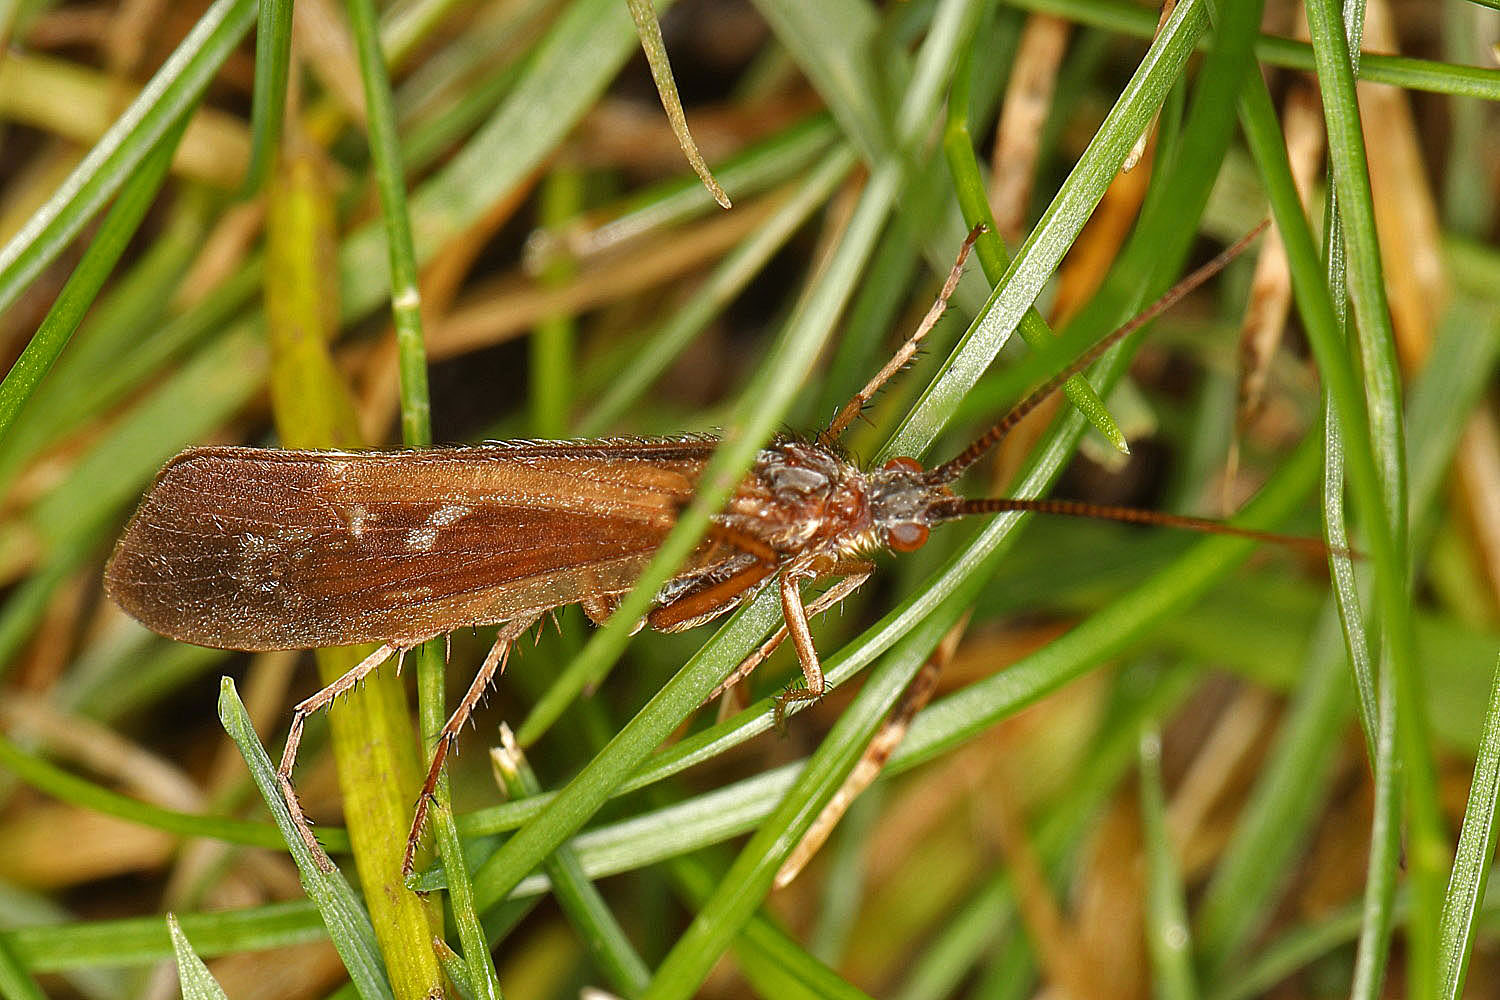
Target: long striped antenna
{"x": 956, "y": 466}
{"x": 962, "y": 507}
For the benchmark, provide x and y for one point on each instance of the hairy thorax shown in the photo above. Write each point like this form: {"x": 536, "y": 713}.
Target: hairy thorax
{"x": 800, "y": 499}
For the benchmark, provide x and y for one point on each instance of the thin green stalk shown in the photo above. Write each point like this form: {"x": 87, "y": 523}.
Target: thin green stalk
{"x": 372, "y": 737}
{"x": 120, "y": 224}
{"x": 52, "y": 780}
{"x": 416, "y": 432}
{"x": 168, "y": 98}
{"x": 1428, "y": 851}
{"x": 405, "y": 292}
{"x": 1386, "y": 559}
{"x": 580, "y": 901}
{"x": 973, "y": 200}
{"x": 1472, "y": 860}
{"x": 273, "y": 58}
{"x": 1398, "y": 71}
{"x": 1168, "y": 938}
{"x": 551, "y": 370}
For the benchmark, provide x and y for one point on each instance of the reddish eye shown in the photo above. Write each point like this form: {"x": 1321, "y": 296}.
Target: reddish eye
{"x": 909, "y": 464}
{"x": 907, "y": 537}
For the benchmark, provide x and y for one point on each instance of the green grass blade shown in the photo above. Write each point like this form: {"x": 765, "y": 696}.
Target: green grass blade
{"x": 1167, "y": 936}
{"x": 196, "y": 981}
{"x": 1398, "y": 71}
{"x": 416, "y": 432}
{"x": 65, "y": 787}
{"x": 973, "y": 200}
{"x": 1284, "y": 807}
{"x": 606, "y": 942}
{"x": 273, "y": 59}
{"x": 15, "y": 982}
{"x": 343, "y": 915}
{"x": 373, "y": 743}
{"x": 646, "y": 26}
{"x": 83, "y": 286}
{"x": 168, "y": 98}
{"x": 1427, "y": 851}
{"x": 1472, "y": 860}
{"x": 144, "y": 940}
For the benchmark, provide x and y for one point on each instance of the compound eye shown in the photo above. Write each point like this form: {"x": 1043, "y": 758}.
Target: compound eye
{"x": 908, "y": 464}
{"x": 907, "y": 537}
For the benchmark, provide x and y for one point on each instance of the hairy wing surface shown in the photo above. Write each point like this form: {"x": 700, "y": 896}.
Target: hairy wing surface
{"x": 260, "y": 549}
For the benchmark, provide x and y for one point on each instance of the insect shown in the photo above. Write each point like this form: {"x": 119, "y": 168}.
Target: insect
{"x": 259, "y": 549}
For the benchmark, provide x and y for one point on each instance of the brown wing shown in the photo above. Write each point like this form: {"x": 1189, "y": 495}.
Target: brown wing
{"x": 246, "y": 548}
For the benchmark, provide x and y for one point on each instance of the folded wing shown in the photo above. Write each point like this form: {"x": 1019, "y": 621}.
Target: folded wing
{"x": 245, "y": 548}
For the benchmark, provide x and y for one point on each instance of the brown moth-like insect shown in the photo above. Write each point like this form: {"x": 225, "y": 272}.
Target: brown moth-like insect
{"x": 259, "y": 549}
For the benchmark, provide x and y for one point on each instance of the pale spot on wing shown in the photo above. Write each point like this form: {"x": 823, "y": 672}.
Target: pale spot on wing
{"x": 447, "y": 514}
{"x": 421, "y": 539}
{"x": 356, "y": 516}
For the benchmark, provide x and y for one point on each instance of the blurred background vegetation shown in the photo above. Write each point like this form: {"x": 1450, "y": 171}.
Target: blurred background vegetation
{"x": 1155, "y": 765}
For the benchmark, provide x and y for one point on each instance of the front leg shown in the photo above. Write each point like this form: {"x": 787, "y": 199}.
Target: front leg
{"x": 854, "y": 575}
{"x": 794, "y": 615}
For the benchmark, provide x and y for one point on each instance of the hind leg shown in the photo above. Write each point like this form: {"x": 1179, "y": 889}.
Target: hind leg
{"x": 305, "y": 708}
{"x": 494, "y": 663}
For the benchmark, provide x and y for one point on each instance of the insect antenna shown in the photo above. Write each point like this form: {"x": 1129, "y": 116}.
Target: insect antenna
{"x": 908, "y": 350}
{"x": 962, "y": 507}
{"x": 956, "y": 466}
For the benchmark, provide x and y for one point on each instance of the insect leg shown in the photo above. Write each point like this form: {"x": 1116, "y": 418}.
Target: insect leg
{"x": 907, "y": 350}
{"x": 494, "y": 663}
{"x": 794, "y": 615}
{"x": 320, "y": 700}
{"x": 884, "y": 743}
{"x": 854, "y": 575}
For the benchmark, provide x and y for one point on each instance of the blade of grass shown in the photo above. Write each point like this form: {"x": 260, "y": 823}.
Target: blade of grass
{"x": 551, "y": 365}
{"x": 416, "y": 432}
{"x": 1167, "y": 937}
{"x": 1427, "y": 851}
{"x": 196, "y": 981}
{"x": 1387, "y": 558}
{"x": 649, "y": 30}
{"x": 994, "y": 258}
{"x": 273, "y": 58}
{"x": 373, "y": 742}
{"x": 98, "y": 261}
{"x": 346, "y": 920}
{"x": 165, "y": 100}
{"x": 52, "y": 780}
{"x": 1284, "y": 805}
{"x": 604, "y": 939}
{"x": 1471, "y": 863}
{"x": 1398, "y": 71}
{"x": 144, "y": 940}
{"x": 15, "y": 982}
